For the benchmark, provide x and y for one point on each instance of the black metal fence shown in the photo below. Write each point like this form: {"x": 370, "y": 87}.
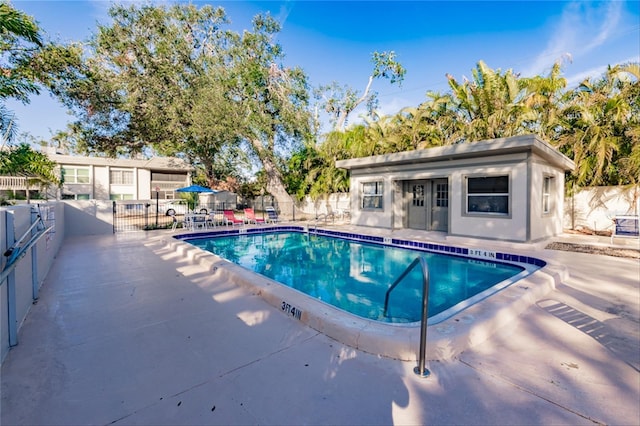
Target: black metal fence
{"x": 137, "y": 216}
{"x": 129, "y": 216}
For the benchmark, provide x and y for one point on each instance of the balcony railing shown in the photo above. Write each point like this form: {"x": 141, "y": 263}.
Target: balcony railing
{"x": 167, "y": 186}
{"x": 13, "y": 183}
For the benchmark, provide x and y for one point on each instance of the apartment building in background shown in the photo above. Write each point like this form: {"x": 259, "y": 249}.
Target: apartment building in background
{"x": 98, "y": 178}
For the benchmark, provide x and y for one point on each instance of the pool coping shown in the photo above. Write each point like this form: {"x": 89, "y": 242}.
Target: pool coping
{"x": 445, "y": 340}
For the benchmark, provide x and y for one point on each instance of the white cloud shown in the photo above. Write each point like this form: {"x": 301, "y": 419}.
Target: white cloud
{"x": 285, "y": 10}
{"x": 576, "y": 79}
{"x": 612, "y": 18}
{"x": 581, "y": 29}
{"x": 595, "y": 73}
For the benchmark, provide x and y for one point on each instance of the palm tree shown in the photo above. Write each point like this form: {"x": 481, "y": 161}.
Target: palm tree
{"x": 382, "y": 135}
{"x": 543, "y": 98}
{"x": 628, "y": 76}
{"x": 600, "y": 130}
{"x": 7, "y": 126}
{"x": 488, "y": 107}
{"x": 432, "y": 123}
{"x": 23, "y": 161}
{"x": 16, "y": 28}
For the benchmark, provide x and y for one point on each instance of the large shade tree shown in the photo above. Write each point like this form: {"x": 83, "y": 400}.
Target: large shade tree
{"x": 174, "y": 79}
{"x": 143, "y": 77}
{"x": 27, "y": 63}
{"x": 271, "y": 98}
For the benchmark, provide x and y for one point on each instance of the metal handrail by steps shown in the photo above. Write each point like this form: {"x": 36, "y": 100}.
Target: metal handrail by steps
{"x": 14, "y": 254}
{"x": 420, "y": 370}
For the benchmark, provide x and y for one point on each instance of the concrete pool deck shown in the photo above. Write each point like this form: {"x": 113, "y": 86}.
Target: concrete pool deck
{"x": 129, "y": 331}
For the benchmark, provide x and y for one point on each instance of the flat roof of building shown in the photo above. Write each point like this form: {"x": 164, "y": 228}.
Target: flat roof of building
{"x": 155, "y": 163}
{"x": 492, "y": 147}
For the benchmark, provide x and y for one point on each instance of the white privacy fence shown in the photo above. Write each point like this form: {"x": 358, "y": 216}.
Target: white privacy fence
{"x": 595, "y": 208}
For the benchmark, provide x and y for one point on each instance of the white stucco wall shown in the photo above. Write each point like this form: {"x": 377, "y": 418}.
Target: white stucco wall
{"x": 549, "y": 224}
{"x": 88, "y": 217}
{"x": 375, "y": 218}
{"x": 524, "y": 159}
{"x": 143, "y": 184}
{"x": 27, "y": 271}
{"x": 101, "y": 183}
{"x": 512, "y": 227}
{"x": 508, "y": 227}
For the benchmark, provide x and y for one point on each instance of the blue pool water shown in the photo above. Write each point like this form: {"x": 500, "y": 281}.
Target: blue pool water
{"x": 355, "y": 276}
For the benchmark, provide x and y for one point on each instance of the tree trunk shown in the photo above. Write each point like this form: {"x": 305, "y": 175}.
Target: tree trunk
{"x": 344, "y": 113}
{"x": 341, "y": 121}
{"x": 275, "y": 187}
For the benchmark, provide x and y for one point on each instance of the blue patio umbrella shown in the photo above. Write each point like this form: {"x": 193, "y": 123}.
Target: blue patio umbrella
{"x": 197, "y": 189}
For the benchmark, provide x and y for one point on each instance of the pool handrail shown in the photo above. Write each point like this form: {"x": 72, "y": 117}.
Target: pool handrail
{"x": 420, "y": 370}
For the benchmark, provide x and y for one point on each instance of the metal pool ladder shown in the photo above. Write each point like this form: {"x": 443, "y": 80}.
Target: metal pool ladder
{"x": 420, "y": 370}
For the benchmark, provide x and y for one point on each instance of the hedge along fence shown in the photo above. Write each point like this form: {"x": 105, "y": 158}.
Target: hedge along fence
{"x": 24, "y": 277}
{"x": 594, "y": 208}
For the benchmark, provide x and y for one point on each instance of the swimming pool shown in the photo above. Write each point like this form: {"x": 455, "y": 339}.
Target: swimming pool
{"x": 354, "y": 274}
{"x": 459, "y": 328}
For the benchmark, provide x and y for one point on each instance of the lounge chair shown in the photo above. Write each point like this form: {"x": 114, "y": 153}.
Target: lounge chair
{"x": 231, "y": 218}
{"x": 250, "y": 217}
{"x": 272, "y": 215}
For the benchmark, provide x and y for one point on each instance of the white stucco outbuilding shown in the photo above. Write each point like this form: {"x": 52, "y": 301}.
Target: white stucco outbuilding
{"x": 509, "y": 189}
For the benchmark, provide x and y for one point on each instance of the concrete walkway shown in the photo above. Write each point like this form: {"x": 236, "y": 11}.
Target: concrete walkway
{"x": 127, "y": 331}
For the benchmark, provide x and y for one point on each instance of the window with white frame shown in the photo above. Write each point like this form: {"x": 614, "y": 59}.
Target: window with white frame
{"x": 75, "y": 174}
{"x": 488, "y": 195}
{"x": 372, "y": 195}
{"x": 548, "y": 189}
{"x": 119, "y": 197}
{"x": 121, "y": 177}
{"x": 75, "y": 196}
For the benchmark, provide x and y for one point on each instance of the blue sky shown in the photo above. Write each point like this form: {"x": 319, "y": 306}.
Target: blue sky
{"x": 333, "y": 41}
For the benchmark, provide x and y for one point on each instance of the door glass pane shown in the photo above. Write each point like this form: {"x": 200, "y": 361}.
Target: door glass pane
{"x": 442, "y": 195}
{"x": 418, "y": 195}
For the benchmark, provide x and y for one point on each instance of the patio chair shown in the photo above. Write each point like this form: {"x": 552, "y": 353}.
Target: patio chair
{"x": 250, "y": 217}
{"x": 194, "y": 221}
{"x": 217, "y": 218}
{"x": 231, "y": 218}
{"x": 272, "y": 215}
